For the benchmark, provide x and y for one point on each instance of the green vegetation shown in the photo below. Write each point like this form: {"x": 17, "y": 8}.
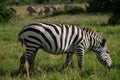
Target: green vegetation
{"x": 115, "y": 16}
{"x": 5, "y": 13}
{"x": 101, "y": 6}
{"x": 48, "y": 66}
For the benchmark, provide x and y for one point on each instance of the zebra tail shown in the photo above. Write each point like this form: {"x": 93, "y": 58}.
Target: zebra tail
{"x": 21, "y": 40}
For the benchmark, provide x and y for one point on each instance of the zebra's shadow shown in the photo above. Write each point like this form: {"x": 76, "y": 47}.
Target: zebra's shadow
{"x": 36, "y": 71}
{"x": 52, "y": 68}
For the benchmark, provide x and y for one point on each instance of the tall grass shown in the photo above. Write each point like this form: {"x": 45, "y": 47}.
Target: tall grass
{"x": 48, "y": 66}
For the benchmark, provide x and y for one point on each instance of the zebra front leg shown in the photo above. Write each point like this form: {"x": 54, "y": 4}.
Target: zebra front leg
{"x": 68, "y": 60}
{"x": 80, "y": 60}
{"x": 80, "y": 53}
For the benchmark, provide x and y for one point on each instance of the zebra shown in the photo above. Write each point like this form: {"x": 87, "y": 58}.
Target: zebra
{"x": 60, "y": 39}
{"x": 42, "y": 10}
{"x": 32, "y": 10}
{"x": 36, "y": 9}
{"x": 54, "y": 8}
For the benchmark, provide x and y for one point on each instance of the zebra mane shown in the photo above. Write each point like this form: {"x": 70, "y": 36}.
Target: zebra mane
{"x": 92, "y": 33}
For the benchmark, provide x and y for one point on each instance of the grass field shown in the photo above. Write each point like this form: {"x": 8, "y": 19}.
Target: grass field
{"x": 48, "y": 66}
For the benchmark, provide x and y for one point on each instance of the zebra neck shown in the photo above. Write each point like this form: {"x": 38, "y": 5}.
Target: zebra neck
{"x": 94, "y": 43}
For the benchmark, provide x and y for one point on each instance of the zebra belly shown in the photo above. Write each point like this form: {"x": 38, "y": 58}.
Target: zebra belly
{"x": 59, "y": 50}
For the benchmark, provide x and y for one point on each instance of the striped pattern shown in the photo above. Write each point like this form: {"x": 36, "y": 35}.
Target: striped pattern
{"x": 57, "y": 39}
{"x": 52, "y": 38}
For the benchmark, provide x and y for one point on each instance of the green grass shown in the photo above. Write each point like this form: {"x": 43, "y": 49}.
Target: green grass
{"x": 48, "y": 66}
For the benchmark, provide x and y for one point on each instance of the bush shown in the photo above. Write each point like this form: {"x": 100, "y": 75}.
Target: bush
{"x": 5, "y": 13}
{"x": 73, "y": 10}
{"x": 115, "y": 17}
{"x": 99, "y": 5}
{"x": 113, "y": 20}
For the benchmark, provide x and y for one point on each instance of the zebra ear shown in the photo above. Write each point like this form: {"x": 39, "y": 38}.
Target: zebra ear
{"x": 103, "y": 42}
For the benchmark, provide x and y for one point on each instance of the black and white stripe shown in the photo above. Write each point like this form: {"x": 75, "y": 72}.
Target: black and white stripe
{"x": 57, "y": 39}
{"x": 51, "y": 37}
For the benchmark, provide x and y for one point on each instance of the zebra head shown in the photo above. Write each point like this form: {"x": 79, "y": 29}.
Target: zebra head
{"x": 103, "y": 54}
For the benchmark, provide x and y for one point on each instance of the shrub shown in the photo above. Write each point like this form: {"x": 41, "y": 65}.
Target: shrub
{"x": 74, "y": 10}
{"x": 113, "y": 20}
{"x": 115, "y": 17}
{"x": 5, "y": 13}
{"x": 99, "y": 5}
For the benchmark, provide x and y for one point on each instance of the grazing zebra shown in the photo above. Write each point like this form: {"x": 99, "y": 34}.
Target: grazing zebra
{"x": 59, "y": 39}
{"x": 32, "y": 9}
{"x": 54, "y": 8}
{"x": 42, "y": 10}
{"x": 37, "y": 10}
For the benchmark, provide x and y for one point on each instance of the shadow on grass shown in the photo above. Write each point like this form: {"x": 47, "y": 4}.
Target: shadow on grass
{"x": 53, "y": 68}
{"x": 86, "y": 73}
{"x": 2, "y": 73}
{"x": 14, "y": 73}
{"x": 115, "y": 66}
{"x": 43, "y": 69}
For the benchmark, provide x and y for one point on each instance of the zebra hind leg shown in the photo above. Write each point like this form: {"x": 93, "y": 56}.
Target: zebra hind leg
{"x": 29, "y": 56}
{"x": 31, "y": 61}
{"x": 22, "y": 62}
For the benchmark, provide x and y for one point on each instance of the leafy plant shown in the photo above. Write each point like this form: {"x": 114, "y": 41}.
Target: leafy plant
{"x": 98, "y": 5}
{"x": 115, "y": 17}
{"x": 74, "y": 10}
{"x": 5, "y": 13}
